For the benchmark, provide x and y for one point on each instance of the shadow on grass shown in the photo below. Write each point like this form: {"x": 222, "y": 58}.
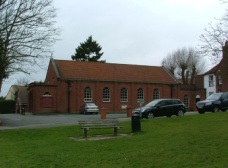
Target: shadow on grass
{"x": 100, "y": 137}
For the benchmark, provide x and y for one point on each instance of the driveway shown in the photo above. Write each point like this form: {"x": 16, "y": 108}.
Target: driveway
{"x": 16, "y": 121}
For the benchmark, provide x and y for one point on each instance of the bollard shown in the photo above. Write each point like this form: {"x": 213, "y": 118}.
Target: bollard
{"x": 103, "y": 113}
{"x": 129, "y": 113}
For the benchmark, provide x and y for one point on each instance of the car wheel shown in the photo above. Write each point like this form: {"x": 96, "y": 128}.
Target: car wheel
{"x": 216, "y": 109}
{"x": 150, "y": 116}
{"x": 201, "y": 111}
{"x": 180, "y": 112}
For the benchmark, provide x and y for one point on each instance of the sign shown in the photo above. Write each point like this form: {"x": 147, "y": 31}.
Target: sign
{"x": 124, "y": 107}
{"x": 140, "y": 101}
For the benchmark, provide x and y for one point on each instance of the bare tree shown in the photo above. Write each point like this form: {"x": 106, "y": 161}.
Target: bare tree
{"x": 22, "y": 82}
{"x": 214, "y": 37}
{"x": 170, "y": 63}
{"x": 27, "y": 30}
{"x": 184, "y": 64}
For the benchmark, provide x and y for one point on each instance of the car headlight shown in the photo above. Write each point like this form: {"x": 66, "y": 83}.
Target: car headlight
{"x": 208, "y": 103}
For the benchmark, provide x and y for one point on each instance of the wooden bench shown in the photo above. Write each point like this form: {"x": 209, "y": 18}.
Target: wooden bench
{"x": 99, "y": 124}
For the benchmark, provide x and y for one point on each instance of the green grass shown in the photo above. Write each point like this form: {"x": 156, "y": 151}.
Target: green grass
{"x": 199, "y": 141}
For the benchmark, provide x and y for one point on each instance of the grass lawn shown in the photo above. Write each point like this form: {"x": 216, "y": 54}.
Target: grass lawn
{"x": 197, "y": 141}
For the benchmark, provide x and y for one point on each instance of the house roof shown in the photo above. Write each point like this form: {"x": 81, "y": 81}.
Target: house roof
{"x": 213, "y": 70}
{"x": 11, "y": 95}
{"x": 99, "y": 71}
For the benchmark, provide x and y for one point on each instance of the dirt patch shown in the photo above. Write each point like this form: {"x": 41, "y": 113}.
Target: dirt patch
{"x": 99, "y": 137}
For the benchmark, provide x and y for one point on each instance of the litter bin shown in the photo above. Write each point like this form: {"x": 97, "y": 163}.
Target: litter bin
{"x": 135, "y": 123}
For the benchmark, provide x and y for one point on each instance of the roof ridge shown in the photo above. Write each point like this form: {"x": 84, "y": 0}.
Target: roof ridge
{"x": 110, "y": 63}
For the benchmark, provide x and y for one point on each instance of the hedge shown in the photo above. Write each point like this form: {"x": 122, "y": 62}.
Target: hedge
{"x": 7, "y": 106}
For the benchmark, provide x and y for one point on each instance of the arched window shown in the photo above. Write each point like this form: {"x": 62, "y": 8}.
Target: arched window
{"x": 87, "y": 94}
{"x": 156, "y": 94}
{"x": 106, "y": 94}
{"x": 140, "y": 95}
{"x": 186, "y": 101}
{"x": 123, "y": 95}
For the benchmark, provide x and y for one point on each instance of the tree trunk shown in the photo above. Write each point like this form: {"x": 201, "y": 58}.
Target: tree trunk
{"x": 1, "y": 80}
{"x": 183, "y": 76}
{"x": 193, "y": 75}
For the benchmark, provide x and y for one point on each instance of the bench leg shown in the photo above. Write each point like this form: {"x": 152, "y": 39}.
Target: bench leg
{"x": 85, "y": 130}
{"x": 115, "y": 131}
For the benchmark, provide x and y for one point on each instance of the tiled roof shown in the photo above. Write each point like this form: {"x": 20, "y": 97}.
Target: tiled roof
{"x": 213, "y": 70}
{"x": 98, "y": 71}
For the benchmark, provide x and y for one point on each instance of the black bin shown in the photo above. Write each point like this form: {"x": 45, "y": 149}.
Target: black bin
{"x": 135, "y": 123}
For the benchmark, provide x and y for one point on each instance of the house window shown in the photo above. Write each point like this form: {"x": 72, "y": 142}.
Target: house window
{"x": 106, "y": 94}
{"x": 211, "y": 81}
{"x": 123, "y": 96}
{"x": 210, "y": 93}
{"x": 156, "y": 94}
{"x": 219, "y": 80}
{"x": 140, "y": 94}
{"x": 186, "y": 101}
{"x": 87, "y": 94}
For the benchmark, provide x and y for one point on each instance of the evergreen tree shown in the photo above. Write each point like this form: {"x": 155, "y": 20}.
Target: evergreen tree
{"x": 89, "y": 50}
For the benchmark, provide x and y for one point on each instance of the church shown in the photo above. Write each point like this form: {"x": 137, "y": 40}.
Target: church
{"x": 114, "y": 87}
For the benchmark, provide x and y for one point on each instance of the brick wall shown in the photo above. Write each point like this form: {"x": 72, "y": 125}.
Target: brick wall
{"x": 37, "y": 94}
{"x": 68, "y": 96}
{"x": 62, "y": 102}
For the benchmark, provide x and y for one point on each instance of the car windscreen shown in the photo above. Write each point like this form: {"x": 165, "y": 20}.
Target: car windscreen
{"x": 91, "y": 104}
{"x": 153, "y": 103}
{"x": 214, "y": 96}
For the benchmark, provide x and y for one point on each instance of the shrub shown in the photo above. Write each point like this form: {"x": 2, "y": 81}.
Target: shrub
{"x": 7, "y": 106}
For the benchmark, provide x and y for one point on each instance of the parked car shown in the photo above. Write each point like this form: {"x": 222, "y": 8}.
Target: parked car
{"x": 214, "y": 103}
{"x": 161, "y": 107}
{"x": 89, "y": 108}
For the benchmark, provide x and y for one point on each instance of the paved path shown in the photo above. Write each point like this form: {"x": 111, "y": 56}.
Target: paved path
{"x": 16, "y": 121}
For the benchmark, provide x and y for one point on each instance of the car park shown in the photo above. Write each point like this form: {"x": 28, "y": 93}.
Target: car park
{"x": 89, "y": 108}
{"x": 214, "y": 103}
{"x": 161, "y": 107}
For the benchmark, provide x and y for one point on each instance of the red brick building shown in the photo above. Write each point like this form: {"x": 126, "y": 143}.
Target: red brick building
{"x": 69, "y": 84}
{"x": 216, "y": 79}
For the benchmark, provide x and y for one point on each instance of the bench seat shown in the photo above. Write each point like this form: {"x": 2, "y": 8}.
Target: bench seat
{"x": 99, "y": 124}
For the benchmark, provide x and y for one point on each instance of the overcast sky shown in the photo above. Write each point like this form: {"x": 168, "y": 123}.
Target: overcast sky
{"x": 129, "y": 31}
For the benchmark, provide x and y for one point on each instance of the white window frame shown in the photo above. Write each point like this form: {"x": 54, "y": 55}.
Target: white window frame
{"x": 211, "y": 80}
{"x": 186, "y": 101}
{"x": 156, "y": 94}
{"x": 87, "y": 94}
{"x": 106, "y": 95}
{"x": 140, "y": 94}
{"x": 124, "y": 95}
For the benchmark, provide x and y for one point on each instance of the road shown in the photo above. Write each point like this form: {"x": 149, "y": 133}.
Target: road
{"x": 17, "y": 121}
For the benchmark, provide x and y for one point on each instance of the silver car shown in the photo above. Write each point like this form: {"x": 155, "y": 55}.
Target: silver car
{"x": 89, "y": 108}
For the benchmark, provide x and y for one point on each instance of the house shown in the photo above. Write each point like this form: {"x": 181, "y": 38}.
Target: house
{"x": 20, "y": 95}
{"x": 70, "y": 84}
{"x": 216, "y": 79}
